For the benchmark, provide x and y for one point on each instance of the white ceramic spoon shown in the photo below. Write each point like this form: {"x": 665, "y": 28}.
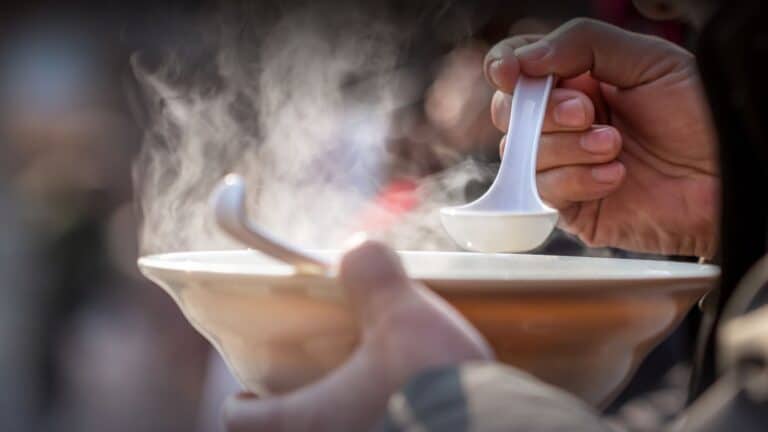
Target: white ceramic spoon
{"x": 228, "y": 204}
{"x": 510, "y": 216}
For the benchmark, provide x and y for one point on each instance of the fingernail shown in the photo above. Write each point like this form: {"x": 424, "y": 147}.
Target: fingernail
{"x": 494, "y": 71}
{"x": 535, "y": 51}
{"x": 608, "y": 173}
{"x": 570, "y": 113}
{"x": 598, "y": 141}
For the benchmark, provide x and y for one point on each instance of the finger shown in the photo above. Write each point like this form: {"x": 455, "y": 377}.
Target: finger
{"x": 500, "y": 65}
{"x": 567, "y": 110}
{"x": 416, "y": 327}
{"x": 596, "y": 146}
{"x": 375, "y": 281}
{"x": 586, "y": 84}
{"x": 599, "y": 145}
{"x": 612, "y": 55}
{"x": 563, "y": 187}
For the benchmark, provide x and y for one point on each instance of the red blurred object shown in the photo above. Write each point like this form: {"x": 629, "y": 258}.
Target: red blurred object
{"x": 394, "y": 200}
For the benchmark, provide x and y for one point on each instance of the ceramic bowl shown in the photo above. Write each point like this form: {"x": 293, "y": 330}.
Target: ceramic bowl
{"x": 583, "y": 324}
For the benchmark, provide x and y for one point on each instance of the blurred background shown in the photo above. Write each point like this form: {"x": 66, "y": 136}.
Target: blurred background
{"x": 86, "y": 343}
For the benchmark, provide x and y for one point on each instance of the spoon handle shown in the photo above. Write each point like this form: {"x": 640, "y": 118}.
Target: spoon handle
{"x": 303, "y": 262}
{"x": 228, "y": 205}
{"x": 517, "y": 173}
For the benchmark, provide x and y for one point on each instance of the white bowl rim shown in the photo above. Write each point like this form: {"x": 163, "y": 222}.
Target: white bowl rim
{"x": 645, "y": 273}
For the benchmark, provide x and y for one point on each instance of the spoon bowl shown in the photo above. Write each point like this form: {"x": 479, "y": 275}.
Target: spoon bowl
{"x": 497, "y": 231}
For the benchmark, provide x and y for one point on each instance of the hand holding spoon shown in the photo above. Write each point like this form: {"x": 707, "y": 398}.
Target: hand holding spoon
{"x": 510, "y": 216}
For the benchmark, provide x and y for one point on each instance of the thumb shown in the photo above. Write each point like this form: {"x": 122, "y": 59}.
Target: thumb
{"x": 612, "y": 55}
{"x": 374, "y": 280}
{"x": 423, "y": 332}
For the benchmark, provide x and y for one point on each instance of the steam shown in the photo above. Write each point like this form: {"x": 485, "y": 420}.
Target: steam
{"x": 305, "y": 117}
